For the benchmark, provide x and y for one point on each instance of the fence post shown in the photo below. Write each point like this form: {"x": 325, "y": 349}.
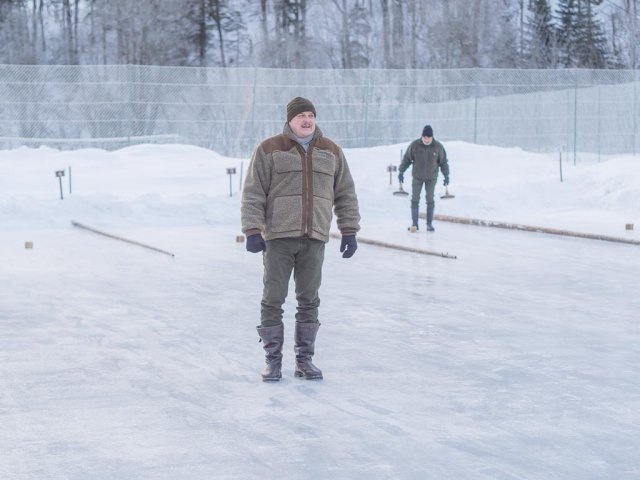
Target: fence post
{"x": 636, "y": 78}
{"x": 475, "y": 105}
{"x": 567, "y": 122}
{"x": 575, "y": 113}
{"x": 366, "y": 109}
{"x": 253, "y": 106}
{"x": 475, "y": 118}
{"x": 599, "y": 131}
{"x": 130, "y": 84}
{"x": 560, "y": 158}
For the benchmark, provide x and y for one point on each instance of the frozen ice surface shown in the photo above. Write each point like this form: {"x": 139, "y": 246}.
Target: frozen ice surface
{"x": 518, "y": 360}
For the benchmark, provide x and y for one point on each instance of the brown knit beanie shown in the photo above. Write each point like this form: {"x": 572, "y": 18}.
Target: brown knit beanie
{"x": 297, "y": 106}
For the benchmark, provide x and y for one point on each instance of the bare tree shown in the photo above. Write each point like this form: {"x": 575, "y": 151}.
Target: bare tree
{"x": 398, "y": 36}
{"x": 70, "y": 30}
{"x": 289, "y": 45}
{"x": 539, "y": 40}
{"x": 624, "y": 32}
{"x": 314, "y": 34}
{"x": 216, "y": 13}
{"x": 352, "y": 23}
{"x": 386, "y": 33}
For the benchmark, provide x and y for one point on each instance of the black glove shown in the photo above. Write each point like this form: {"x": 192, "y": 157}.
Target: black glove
{"x": 446, "y": 180}
{"x": 349, "y": 245}
{"x": 255, "y": 243}
{"x": 401, "y": 177}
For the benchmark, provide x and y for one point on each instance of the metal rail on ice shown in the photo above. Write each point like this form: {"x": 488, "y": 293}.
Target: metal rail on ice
{"x": 122, "y": 239}
{"x": 528, "y": 228}
{"x": 393, "y": 246}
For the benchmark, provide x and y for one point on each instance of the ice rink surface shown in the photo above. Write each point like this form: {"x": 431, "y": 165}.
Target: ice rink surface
{"x": 517, "y": 360}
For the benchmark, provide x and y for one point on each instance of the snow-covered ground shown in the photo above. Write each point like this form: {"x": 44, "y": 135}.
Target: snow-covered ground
{"x": 519, "y": 359}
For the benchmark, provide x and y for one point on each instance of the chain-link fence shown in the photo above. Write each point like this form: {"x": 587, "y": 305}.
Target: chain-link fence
{"x": 230, "y": 110}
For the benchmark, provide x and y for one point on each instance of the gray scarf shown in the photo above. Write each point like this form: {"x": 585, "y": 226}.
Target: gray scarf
{"x": 304, "y": 141}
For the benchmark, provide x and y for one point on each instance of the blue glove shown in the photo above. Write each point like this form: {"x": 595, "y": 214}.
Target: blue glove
{"x": 401, "y": 177}
{"x": 349, "y": 246}
{"x": 446, "y": 180}
{"x": 255, "y": 243}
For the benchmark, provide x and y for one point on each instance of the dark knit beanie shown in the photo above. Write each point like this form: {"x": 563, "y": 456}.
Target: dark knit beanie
{"x": 299, "y": 105}
{"x": 427, "y": 131}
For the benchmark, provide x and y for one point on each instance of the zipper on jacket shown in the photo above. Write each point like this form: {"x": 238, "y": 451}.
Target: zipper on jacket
{"x": 305, "y": 190}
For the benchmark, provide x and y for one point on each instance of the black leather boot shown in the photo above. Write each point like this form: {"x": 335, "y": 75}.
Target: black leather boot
{"x": 272, "y": 338}
{"x": 305, "y": 338}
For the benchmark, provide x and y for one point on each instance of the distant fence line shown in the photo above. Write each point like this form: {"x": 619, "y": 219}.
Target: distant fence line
{"x": 230, "y": 109}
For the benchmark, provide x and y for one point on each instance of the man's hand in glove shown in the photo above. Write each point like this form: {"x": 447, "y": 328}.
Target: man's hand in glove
{"x": 255, "y": 243}
{"x": 349, "y": 246}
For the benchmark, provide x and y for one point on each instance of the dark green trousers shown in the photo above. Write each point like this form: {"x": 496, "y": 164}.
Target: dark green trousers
{"x": 303, "y": 257}
{"x": 416, "y": 189}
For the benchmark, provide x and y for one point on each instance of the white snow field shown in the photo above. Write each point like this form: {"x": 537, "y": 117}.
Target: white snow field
{"x": 520, "y": 359}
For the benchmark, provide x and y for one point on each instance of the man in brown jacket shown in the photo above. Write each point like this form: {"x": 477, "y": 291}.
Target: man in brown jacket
{"x": 294, "y": 181}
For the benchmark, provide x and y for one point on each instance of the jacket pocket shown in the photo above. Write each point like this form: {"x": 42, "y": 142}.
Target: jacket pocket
{"x": 286, "y": 214}
{"x": 285, "y": 162}
{"x": 322, "y": 215}
{"x": 324, "y": 162}
{"x": 324, "y": 167}
{"x": 287, "y": 176}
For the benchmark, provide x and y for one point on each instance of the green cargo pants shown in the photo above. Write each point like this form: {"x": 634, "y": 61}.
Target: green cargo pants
{"x": 416, "y": 189}
{"x": 304, "y": 257}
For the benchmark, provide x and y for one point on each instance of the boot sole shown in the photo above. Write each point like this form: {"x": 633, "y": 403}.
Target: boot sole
{"x": 308, "y": 377}
{"x": 271, "y": 379}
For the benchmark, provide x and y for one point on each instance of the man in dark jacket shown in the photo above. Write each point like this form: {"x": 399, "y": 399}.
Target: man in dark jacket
{"x": 294, "y": 181}
{"x": 426, "y": 155}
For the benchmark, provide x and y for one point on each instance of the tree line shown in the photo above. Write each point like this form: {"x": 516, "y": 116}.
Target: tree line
{"x": 323, "y": 33}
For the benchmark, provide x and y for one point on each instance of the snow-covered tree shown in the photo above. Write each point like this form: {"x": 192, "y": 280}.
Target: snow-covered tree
{"x": 352, "y": 21}
{"x": 592, "y": 42}
{"x": 539, "y": 36}
{"x": 321, "y": 33}
{"x": 580, "y": 35}
{"x": 622, "y": 20}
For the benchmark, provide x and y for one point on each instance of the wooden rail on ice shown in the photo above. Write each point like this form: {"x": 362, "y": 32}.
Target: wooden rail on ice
{"x": 122, "y": 239}
{"x": 393, "y": 246}
{"x": 528, "y": 228}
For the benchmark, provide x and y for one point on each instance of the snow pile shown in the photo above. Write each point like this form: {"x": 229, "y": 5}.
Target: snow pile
{"x": 185, "y": 185}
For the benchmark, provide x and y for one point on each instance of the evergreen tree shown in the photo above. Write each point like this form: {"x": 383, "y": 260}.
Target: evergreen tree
{"x": 590, "y": 37}
{"x": 505, "y": 35}
{"x": 539, "y": 35}
{"x": 567, "y": 13}
{"x": 359, "y": 39}
{"x": 581, "y": 37}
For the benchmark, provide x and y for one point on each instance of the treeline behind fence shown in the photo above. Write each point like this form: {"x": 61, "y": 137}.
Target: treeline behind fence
{"x": 230, "y": 109}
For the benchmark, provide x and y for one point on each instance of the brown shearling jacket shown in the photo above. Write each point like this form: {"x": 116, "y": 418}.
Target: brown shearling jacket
{"x": 291, "y": 193}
